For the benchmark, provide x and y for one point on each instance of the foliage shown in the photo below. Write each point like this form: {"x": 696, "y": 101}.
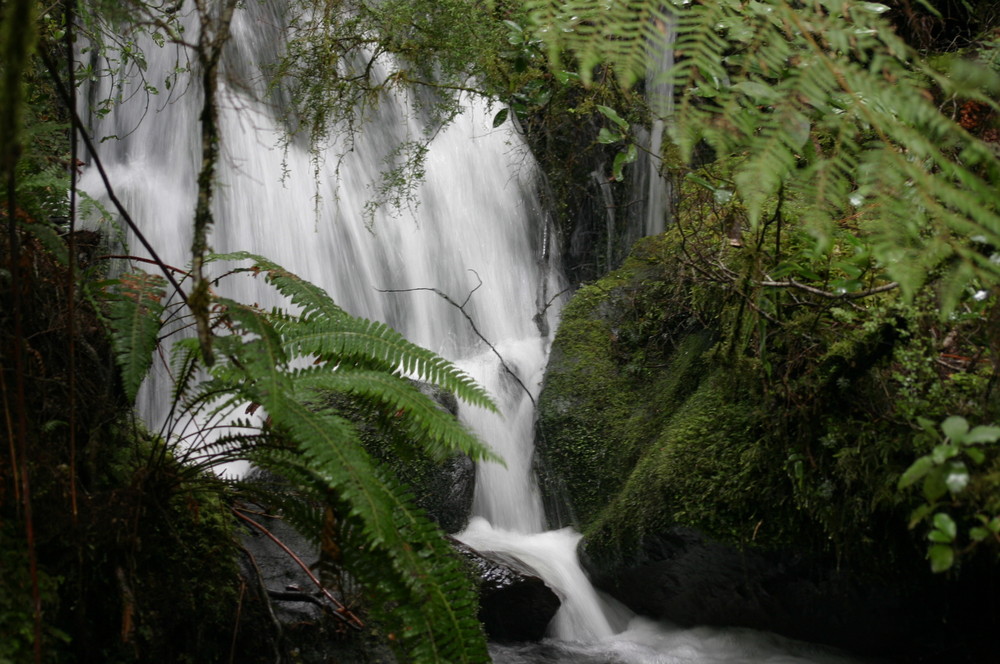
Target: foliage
{"x": 135, "y": 315}
{"x": 831, "y": 108}
{"x": 842, "y": 168}
{"x": 417, "y": 585}
{"x": 155, "y": 485}
{"x": 944, "y": 473}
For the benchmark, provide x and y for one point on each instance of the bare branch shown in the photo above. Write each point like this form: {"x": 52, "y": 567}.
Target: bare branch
{"x": 791, "y": 283}
{"x": 340, "y": 610}
{"x": 472, "y": 323}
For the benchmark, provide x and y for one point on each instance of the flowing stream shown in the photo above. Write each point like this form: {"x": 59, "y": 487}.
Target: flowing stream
{"x": 475, "y": 232}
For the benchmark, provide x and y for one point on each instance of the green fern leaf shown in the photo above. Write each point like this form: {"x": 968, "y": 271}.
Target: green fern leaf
{"x": 361, "y": 340}
{"x": 434, "y": 429}
{"x": 396, "y": 552}
{"x": 134, "y": 313}
{"x": 313, "y": 300}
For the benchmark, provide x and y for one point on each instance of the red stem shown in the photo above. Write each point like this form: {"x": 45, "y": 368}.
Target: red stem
{"x": 341, "y": 611}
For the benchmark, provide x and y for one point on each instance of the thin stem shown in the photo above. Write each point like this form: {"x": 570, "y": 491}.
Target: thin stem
{"x": 341, "y": 611}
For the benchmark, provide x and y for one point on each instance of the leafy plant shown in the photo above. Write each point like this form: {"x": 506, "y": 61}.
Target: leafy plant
{"x": 830, "y": 107}
{"x": 944, "y": 476}
{"x": 290, "y": 366}
{"x": 618, "y": 134}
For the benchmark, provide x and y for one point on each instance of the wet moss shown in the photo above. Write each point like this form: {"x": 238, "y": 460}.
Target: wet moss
{"x": 671, "y": 401}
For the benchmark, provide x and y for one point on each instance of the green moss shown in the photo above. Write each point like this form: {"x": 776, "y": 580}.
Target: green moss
{"x": 703, "y": 469}
{"x": 620, "y": 366}
{"x": 675, "y": 400}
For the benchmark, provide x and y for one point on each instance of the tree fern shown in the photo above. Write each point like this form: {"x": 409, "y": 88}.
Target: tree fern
{"x": 829, "y": 105}
{"x": 291, "y": 365}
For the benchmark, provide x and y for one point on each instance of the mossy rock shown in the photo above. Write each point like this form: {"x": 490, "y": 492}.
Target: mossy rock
{"x": 676, "y": 404}
{"x": 606, "y": 396}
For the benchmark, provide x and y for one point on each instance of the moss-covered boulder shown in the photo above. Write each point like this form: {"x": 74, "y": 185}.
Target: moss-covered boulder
{"x": 732, "y": 455}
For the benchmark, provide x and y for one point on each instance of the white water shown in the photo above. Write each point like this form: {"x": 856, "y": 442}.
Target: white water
{"x": 477, "y": 212}
{"x": 660, "y": 93}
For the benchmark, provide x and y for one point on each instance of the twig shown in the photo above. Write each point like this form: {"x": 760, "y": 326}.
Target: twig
{"x": 126, "y": 217}
{"x": 236, "y": 623}
{"x": 791, "y": 283}
{"x": 472, "y": 323}
{"x": 341, "y": 611}
{"x": 71, "y": 267}
{"x": 140, "y": 259}
{"x": 255, "y": 568}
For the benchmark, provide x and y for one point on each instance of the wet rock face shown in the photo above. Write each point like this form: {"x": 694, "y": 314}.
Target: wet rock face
{"x": 512, "y": 606}
{"x": 683, "y": 577}
{"x": 447, "y": 495}
{"x": 301, "y": 620}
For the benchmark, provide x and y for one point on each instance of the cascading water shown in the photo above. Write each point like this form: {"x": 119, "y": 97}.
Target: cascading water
{"x": 478, "y": 222}
{"x": 648, "y": 179}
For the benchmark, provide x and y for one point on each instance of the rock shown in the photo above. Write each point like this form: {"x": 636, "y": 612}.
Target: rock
{"x": 513, "y": 606}
{"x": 685, "y": 578}
{"x": 307, "y": 632}
{"x": 447, "y": 493}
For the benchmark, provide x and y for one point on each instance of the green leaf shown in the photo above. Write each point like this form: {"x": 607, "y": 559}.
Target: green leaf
{"x": 875, "y": 7}
{"x": 759, "y": 91}
{"x": 623, "y": 158}
{"x": 929, "y": 426}
{"x": 135, "y": 311}
{"x": 975, "y": 454}
{"x": 939, "y": 536}
{"x": 978, "y": 533}
{"x": 942, "y": 557}
{"x": 943, "y": 452}
{"x": 945, "y": 524}
{"x": 955, "y": 428}
{"x": 920, "y": 514}
{"x": 500, "y": 117}
{"x": 608, "y": 137}
{"x": 49, "y": 239}
{"x": 934, "y": 486}
{"x": 612, "y": 115}
{"x": 917, "y": 470}
{"x": 982, "y": 434}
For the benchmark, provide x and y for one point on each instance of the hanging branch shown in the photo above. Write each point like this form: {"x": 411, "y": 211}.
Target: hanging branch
{"x": 71, "y": 268}
{"x": 77, "y": 122}
{"x": 791, "y": 283}
{"x": 472, "y": 324}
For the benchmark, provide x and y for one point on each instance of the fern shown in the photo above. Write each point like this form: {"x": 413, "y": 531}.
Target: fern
{"x": 831, "y": 107}
{"x": 135, "y": 309}
{"x": 324, "y": 331}
{"x": 290, "y": 365}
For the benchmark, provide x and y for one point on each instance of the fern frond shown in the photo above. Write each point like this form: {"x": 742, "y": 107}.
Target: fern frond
{"x": 829, "y": 105}
{"x": 617, "y": 33}
{"x": 431, "y": 427}
{"x": 313, "y": 300}
{"x": 401, "y": 557}
{"x": 428, "y": 599}
{"x": 367, "y": 342}
{"x": 134, "y": 313}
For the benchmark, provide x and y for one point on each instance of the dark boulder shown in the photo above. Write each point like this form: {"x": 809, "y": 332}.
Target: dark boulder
{"x": 513, "y": 606}
{"x": 683, "y": 577}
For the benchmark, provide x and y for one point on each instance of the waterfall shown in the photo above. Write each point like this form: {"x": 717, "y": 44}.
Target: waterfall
{"x": 475, "y": 224}
{"x": 660, "y": 95}
{"x": 475, "y": 232}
